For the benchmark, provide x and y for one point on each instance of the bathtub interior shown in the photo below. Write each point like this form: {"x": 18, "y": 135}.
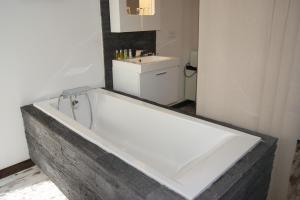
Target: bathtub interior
{"x": 158, "y": 139}
{"x": 168, "y": 146}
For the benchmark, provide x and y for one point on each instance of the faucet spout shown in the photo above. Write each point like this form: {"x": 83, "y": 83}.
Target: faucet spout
{"x": 75, "y": 91}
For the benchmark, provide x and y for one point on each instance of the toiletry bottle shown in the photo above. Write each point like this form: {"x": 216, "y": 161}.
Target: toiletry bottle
{"x": 138, "y": 53}
{"x": 130, "y": 53}
{"x": 125, "y": 54}
{"x": 121, "y": 54}
{"x": 117, "y": 55}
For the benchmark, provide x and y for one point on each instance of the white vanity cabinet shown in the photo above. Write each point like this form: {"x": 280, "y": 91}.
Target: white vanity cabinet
{"x": 156, "y": 81}
{"x": 134, "y": 15}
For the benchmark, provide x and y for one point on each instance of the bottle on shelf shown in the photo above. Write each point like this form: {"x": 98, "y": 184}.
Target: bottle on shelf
{"x": 121, "y": 54}
{"x": 125, "y": 54}
{"x": 117, "y": 55}
{"x": 130, "y": 53}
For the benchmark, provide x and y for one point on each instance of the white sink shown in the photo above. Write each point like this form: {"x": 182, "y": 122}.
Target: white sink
{"x": 147, "y": 63}
{"x": 148, "y": 59}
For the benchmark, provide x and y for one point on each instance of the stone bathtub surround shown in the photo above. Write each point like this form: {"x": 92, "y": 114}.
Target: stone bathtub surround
{"x": 82, "y": 170}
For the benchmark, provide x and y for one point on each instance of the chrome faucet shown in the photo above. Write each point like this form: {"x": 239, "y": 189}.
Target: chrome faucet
{"x": 72, "y": 95}
{"x": 75, "y": 92}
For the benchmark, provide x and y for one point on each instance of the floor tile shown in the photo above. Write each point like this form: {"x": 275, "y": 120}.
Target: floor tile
{"x": 30, "y": 184}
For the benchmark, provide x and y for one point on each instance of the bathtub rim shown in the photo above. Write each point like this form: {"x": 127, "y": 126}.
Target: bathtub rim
{"x": 189, "y": 191}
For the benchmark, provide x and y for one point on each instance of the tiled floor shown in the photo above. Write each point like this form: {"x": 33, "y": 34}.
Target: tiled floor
{"x": 294, "y": 190}
{"x": 30, "y": 184}
{"x": 188, "y": 107}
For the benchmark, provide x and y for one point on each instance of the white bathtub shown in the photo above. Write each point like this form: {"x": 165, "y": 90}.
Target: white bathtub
{"x": 185, "y": 154}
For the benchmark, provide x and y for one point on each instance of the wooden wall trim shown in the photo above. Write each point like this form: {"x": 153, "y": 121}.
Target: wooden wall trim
{"x": 16, "y": 168}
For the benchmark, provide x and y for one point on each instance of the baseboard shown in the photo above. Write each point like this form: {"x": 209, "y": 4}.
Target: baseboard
{"x": 16, "y": 168}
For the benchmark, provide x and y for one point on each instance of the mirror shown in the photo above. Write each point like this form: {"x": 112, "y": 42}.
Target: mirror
{"x": 140, "y": 7}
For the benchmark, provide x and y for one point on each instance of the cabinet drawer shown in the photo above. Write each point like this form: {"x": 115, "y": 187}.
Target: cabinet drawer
{"x": 160, "y": 86}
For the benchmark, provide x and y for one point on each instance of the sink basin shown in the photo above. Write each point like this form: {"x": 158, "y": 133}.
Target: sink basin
{"x": 148, "y": 59}
{"x": 147, "y": 63}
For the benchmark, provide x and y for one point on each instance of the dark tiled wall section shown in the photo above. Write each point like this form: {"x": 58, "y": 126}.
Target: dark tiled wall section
{"x": 113, "y": 41}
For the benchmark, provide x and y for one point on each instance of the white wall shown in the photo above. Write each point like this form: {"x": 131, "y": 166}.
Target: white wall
{"x": 249, "y": 63}
{"x": 232, "y": 50}
{"x": 46, "y": 46}
{"x": 179, "y": 31}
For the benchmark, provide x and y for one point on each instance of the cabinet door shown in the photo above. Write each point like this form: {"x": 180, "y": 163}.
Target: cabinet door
{"x": 161, "y": 86}
{"x": 122, "y": 19}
